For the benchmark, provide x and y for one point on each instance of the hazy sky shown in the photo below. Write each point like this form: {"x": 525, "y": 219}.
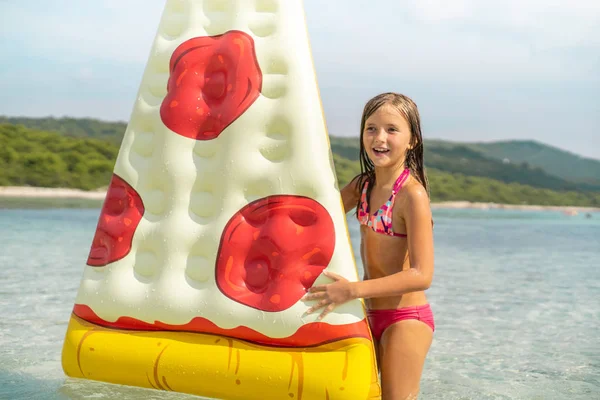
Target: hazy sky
{"x": 480, "y": 70}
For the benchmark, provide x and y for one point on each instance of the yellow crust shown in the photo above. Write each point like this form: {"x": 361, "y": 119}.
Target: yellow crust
{"x": 220, "y": 367}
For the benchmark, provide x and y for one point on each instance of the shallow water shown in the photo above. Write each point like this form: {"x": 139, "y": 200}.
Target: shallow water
{"x": 516, "y": 296}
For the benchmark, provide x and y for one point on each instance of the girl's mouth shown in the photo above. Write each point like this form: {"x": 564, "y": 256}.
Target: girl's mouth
{"x": 380, "y": 150}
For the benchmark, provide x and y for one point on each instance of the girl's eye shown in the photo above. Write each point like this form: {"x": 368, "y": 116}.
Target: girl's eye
{"x": 370, "y": 129}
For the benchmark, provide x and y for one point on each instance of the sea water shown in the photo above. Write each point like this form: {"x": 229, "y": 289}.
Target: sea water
{"x": 516, "y": 297}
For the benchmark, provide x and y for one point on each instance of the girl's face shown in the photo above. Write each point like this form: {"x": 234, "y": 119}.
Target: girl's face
{"x": 386, "y": 137}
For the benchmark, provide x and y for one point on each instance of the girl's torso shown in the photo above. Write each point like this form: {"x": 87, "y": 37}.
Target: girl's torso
{"x": 384, "y": 243}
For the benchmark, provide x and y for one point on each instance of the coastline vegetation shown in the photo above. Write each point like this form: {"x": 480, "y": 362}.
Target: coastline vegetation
{"x": 53, "y": 158}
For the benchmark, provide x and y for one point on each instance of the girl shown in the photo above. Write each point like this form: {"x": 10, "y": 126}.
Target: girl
{"x": 391, "y": 198}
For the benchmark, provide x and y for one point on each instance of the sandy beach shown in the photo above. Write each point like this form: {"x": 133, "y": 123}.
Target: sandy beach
{"x": 525, "y": 207}
{"x": 26, "y": 192}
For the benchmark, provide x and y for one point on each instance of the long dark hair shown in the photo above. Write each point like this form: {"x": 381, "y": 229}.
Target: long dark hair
{"x": 414, "y": 156}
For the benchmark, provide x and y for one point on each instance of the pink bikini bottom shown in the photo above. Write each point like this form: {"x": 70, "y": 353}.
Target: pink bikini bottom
{"x": 379, "y": 320}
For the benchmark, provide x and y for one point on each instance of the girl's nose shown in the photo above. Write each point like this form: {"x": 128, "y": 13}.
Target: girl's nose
{"x": 381, "y": 135}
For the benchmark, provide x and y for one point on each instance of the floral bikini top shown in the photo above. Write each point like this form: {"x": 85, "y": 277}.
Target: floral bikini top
{"x": 381, "y": 221}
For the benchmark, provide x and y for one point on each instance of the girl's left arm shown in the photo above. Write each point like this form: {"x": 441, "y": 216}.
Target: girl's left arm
{"x": 417, "y": 217}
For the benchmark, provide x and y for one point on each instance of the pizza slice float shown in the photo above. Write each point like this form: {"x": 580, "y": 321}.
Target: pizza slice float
{"x": 223, "y": 209}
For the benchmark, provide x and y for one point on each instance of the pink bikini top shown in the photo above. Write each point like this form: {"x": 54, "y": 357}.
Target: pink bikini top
{"x": 381, "y": 221}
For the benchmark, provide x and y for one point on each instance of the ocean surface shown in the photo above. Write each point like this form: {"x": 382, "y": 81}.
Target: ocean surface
{"x": 516, "y": 297}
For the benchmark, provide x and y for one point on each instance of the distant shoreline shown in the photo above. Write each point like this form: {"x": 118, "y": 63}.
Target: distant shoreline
{"x": 28, "y": 192}
{"x": 499, "y": 206}
{"x": 31, "y": 193}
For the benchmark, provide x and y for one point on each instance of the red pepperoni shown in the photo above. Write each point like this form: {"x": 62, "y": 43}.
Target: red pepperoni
{"x": 121, "y": 213}
{"x": 272, "y": 250}
{"x": 213, "y": 80}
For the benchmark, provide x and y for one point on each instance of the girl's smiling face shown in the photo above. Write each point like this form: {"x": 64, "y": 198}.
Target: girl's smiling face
{"x": 387, "y": 137}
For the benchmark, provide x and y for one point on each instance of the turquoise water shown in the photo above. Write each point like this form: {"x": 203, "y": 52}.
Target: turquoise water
{"x": 516, "y": 297}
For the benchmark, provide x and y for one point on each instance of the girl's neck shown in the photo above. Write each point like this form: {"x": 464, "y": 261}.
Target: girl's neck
{"x": 385, "y": 177}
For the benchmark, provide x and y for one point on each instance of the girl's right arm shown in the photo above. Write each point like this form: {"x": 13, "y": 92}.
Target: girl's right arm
{"x": 350, "y": 195}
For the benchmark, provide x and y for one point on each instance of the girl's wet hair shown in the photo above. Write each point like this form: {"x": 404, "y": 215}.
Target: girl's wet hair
{"x": 414, "y": 156}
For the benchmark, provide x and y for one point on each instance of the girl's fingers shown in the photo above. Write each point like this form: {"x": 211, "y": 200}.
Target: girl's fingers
{"x": 320, "y": 288}
{"x": 318, "y": 306}
{"x": 327, "y": 310}
{"x": 333, "y": 275}
{"x": 314, "y": 296}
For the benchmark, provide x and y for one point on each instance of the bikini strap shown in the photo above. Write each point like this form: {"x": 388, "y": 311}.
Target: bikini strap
{"x": 364, "y": 190}
{"x": 400, "y": 181}
{"x": 363, "y": 209}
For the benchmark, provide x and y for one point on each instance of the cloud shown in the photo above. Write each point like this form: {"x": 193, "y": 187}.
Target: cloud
{"x": 551, "y": 23}
{"x": 85, "y": 73}
{"x": 492, "y": 69}
{"x": 462, "y": 40}
{"x": 108, "y": 31}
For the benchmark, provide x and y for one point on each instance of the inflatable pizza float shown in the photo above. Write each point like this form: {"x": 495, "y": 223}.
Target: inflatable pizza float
{"x": 222, "y": 210}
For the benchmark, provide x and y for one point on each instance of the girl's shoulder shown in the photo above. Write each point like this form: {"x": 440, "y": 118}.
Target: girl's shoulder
{"x": 351, "y": 193}
{"x": 411, "y": 197}
{"x": 415, "y": 190}
{"x": 357, "y": 183}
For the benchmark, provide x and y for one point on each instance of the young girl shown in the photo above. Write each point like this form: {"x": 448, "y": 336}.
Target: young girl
{"x": 391, "y": 198}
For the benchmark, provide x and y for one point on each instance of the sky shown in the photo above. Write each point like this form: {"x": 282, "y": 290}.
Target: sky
{"x": 478, "y": 70}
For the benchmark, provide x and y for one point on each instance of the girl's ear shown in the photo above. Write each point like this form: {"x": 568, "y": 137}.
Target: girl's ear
{"x": 412, "y": 144}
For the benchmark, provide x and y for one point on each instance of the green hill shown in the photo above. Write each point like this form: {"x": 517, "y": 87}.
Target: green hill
{"x": 47, "y": 159}
{"x": 75, "y": 127}
{"x": 555, "y": 161}
{"x": 465, "y": 159}
{"x": 531, "y": 163}
{"x": 462, "y": 158}
{"x": 50, "y": 159}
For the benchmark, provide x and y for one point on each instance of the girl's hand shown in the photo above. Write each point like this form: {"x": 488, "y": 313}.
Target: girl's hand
{"x": 330, "y": 295}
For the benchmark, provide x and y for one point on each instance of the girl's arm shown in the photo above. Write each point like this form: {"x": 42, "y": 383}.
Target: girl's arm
{"x": 350, "y": 195}
{"x": 417, "y": 216}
